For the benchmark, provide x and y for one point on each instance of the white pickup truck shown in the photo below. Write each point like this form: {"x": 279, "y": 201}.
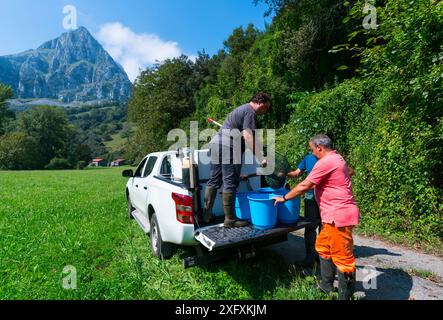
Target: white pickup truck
{"x": 167, "y": 208}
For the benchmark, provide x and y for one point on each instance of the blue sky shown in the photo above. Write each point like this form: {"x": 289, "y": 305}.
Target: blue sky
{"x": 130, "y": 28}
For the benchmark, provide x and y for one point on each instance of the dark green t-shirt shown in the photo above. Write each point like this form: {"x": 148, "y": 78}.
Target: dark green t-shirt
{"x": 242, "y": 118}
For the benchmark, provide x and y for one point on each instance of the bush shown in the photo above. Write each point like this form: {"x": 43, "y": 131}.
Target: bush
{"x": 388, "y": 123}
{"x": 19, "y": 151}
{"x": 395, "y": 154}
{"x": 333, "y": 112}
{"x": 395, "y": 151}
{"x": 81, "y": 165}
{"x": 58, "y": 164}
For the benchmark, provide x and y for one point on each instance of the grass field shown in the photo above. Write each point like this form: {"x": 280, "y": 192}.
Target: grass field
{"x": 49, "y": 220}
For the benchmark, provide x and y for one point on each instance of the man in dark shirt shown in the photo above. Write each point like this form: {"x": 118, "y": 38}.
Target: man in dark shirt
{"x": 227, "y": 148}
{"x": 312, "y": 212}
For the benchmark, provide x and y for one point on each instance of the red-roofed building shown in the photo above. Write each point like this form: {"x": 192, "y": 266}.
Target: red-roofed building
{"x": 98, "y": 163}
{"x": 118, "y": 163}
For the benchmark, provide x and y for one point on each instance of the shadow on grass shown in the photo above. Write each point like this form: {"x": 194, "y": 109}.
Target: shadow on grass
{"x": 260, "y": 276}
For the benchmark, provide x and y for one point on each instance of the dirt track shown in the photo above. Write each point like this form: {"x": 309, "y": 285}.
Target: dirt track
{"x": 384, "y": 271}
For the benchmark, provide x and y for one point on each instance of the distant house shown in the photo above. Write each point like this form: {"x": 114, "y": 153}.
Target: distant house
{"x": 98, "y": 163}
{"x": 118, "y": 163}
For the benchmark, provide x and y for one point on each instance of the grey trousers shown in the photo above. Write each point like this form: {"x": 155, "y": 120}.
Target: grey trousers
{"x": 225, "y": 168}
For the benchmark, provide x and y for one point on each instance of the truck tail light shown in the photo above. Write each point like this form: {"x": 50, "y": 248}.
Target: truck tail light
{"x": 184, "y": 208}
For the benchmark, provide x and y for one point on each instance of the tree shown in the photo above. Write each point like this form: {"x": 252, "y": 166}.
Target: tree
{"x": 5, "y": 114}
{"x": 223, "y": 91}
{"x": 50, "y": 128}
{"x": 162, "y": 96}
{"x": 19, "y": 151}
{"x": 308, "y": 31}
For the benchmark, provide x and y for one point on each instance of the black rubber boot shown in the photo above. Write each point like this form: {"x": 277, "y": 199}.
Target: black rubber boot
{"x": 311, "y": 255}
{"x": 210, "y": 195}
{"x": 229, "y": 210}
{"x": 327, "y": 270}
{"x": 346, "y": 285}
{"x": 308, "y": 265}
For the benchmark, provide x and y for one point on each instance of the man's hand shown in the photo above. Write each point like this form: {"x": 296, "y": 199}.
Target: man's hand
{"x": 278, "y": 200}
{"x": 244, "y": 178}
{"x": 294, "y": 174}
{"x": 264, "y": 163}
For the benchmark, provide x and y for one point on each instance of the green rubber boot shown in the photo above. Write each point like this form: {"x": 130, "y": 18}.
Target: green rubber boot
{"x": 210, "y": 195}
{"x": 229, "y": 209}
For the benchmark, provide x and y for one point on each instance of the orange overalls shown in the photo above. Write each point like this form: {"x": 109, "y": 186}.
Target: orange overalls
{"x": 336, "y": 243}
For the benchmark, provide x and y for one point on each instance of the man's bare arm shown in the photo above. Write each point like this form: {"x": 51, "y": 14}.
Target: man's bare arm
{"x": 299, "y": 190}
{"x": 253, "y": 144}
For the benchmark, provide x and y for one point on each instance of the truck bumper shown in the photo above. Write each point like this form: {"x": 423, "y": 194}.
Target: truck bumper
{"x": 186, "y": 236}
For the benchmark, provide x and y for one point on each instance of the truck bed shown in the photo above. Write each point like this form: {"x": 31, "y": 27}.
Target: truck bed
{"x": 217, "y": 242}
{"x": 217, "y": 237}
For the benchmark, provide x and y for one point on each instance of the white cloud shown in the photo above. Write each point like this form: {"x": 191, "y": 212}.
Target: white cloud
{"x": 192, "y": 57}
{"x": 135, "y": 51}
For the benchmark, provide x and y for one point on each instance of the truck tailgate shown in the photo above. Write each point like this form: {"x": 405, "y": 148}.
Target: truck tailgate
{"x": 217, "y": 237}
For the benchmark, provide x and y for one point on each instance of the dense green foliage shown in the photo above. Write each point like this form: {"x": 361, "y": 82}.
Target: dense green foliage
{"x": 376, "y": 91}
{"x": 49, "y": 126}
{"x": 71, "y": 134}
{"x": 5, "y": 114}
{"x": 18, "y": 151}
{"x": 42, "y": 137}
{"x": 39, "y": 237}
{"x": 96, "y": 127}
{"x": 388, "y": 122}
{"x": 161, "y": 97}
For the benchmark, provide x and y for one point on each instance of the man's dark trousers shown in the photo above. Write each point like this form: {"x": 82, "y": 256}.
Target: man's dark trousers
{"x": 312, "y": 213}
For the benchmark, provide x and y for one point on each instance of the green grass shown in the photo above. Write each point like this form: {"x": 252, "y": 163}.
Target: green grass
{"x": 52, "y": 219}
{"x": 424, "y": 274}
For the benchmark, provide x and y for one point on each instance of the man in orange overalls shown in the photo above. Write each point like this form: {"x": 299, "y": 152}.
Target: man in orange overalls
{"x": 331, "y": 181}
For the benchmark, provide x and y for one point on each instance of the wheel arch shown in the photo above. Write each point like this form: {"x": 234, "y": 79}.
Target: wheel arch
{"x": 151, "y": 212}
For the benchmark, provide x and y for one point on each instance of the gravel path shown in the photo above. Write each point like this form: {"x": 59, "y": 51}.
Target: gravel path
{"x": 384, "y": 271}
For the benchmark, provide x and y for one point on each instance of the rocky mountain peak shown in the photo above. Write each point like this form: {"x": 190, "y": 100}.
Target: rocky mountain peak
{"x": 71, "y": 68}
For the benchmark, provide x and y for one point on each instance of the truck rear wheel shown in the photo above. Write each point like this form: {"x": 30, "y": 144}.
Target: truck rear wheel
{"x": 160, "y": 249}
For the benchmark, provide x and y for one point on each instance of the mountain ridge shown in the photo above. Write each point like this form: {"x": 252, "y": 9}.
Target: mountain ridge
{"x": 71, "y": 68}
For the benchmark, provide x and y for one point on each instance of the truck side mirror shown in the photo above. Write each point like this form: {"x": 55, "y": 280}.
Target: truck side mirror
{"x": 128, "y": 174}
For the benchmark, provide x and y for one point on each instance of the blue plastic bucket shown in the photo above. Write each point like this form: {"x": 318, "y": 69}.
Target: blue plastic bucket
{"x": 288, "y": 212}
{"x": 266, "y": 190}
{"x": 263, "y": 211}
{"x": 242, "y": 210}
